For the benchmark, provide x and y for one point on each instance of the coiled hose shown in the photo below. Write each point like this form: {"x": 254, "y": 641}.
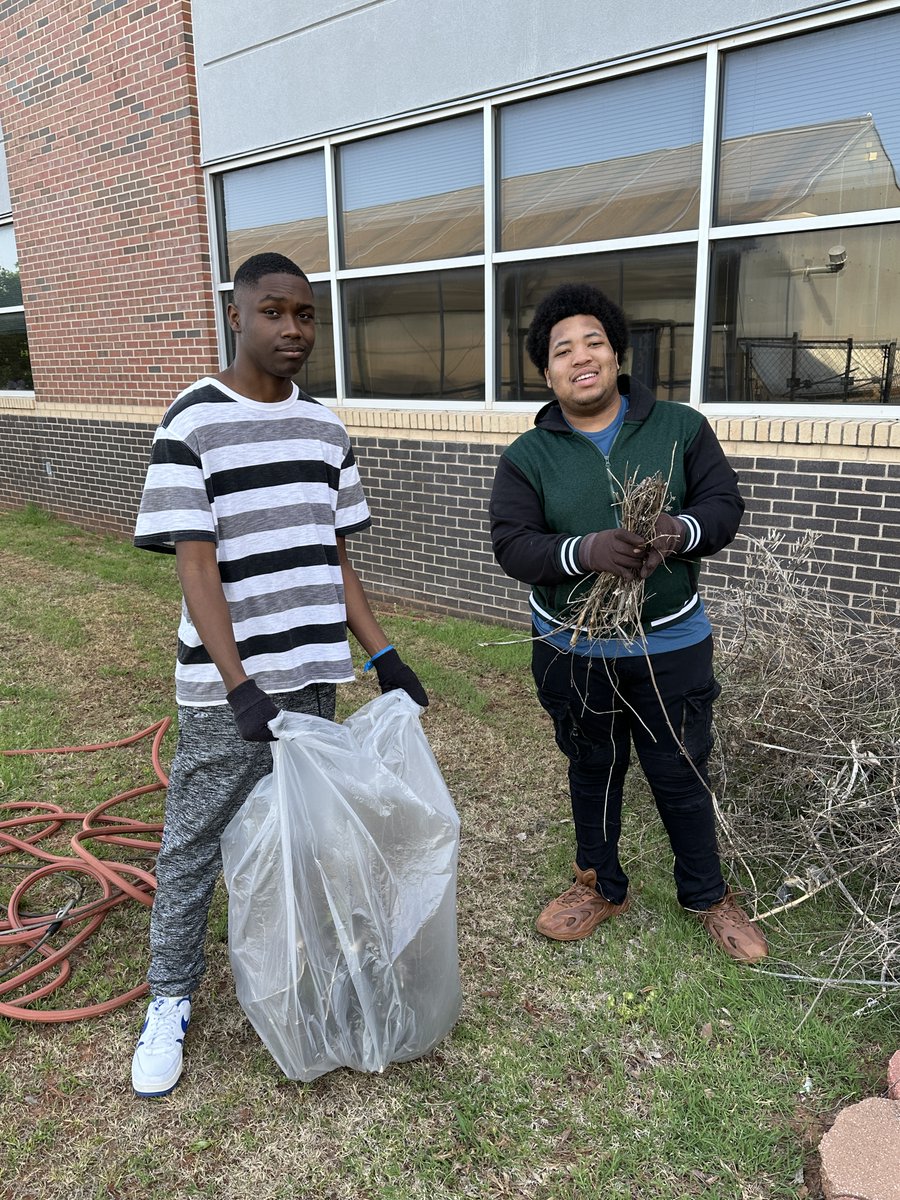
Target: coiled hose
{"x": 118, "y": 882}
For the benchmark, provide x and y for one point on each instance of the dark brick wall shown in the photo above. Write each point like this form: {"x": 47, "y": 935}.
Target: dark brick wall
{"x": 851, "y": 509}
{"x": 429, "y": 543}
{"x": 90, "y": 472}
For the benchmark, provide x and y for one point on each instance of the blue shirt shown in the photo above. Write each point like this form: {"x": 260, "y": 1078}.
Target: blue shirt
{"x": 689, "y": 632}
{"x": 604, "y": 438}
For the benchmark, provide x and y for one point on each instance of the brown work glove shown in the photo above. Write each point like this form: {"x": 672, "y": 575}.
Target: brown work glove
{"x": 614, "y": 551}
{"x": 668, "y": 537}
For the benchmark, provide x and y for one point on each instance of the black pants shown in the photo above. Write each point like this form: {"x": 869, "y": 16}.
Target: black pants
{"x": 599, "y": 707}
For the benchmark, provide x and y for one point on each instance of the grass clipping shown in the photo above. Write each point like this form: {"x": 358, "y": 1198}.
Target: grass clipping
{"x": 612, "y": 608}
{"x": 808, "y": 728}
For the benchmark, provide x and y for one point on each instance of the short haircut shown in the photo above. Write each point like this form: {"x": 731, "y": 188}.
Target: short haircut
{"x": 572, "y": 300}
{"x": 249, "y": 273}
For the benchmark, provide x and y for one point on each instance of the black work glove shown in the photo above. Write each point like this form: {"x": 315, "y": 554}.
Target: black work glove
{"x": 668, "y": 537}
{"x": 394, "y": 673}
{"x": 253, "y": 710}
{"x": 614, "y": 551}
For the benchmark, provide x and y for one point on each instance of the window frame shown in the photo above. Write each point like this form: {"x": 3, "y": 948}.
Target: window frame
{"x": 27, "y": 394}
{"x": 712, "y": 51}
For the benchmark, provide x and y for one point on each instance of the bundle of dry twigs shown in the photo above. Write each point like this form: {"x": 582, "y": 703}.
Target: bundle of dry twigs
{"x": 809, "y": 735}
{"x": 612, "y": 607}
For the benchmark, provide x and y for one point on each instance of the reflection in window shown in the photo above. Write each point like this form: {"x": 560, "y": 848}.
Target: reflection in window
{"x": 654, "y": 287}
{"x": 807, "y": 317}
{"x": 416, "y": 336}
{"x": 317, "y": 376}
{"x": 277, "y": 207}
{"x": 616, "y": 159}
{"x": 811, "y": 124}
{"x": 414, "y": 195}
{"x": 10, "y": 284}
{"x": 15, "y": 365}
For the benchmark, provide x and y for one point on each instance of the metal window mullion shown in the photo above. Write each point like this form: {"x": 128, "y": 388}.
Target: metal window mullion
{"x": 796, "y": 411}
{"x": 12, "y": 308}
{"x": 220, "y": 285}
{"x": 411, "y": 268}
{"x": 610, "y": 245}
{"x": 491, "y": 325}
{"x": 852, "y": 220}
{"x": 708, "y": 158}
{"x": 332, "y": 218}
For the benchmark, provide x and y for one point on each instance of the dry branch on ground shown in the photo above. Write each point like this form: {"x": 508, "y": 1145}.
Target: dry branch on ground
{"x": 809, "y": 734}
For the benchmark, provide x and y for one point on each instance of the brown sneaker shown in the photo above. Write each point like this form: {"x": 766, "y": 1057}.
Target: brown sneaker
{"x": 578, "y": 911}
{"x": 731, "y": 929}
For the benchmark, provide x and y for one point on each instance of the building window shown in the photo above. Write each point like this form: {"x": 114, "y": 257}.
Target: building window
{"x": 655, "y": 287}
{"x": 15, "y": 363}
{"x": 413, "y": 196}
{"x": 811, "y": 125}
{"x": 416, "y": 336}
{"x": 616, "y": 159}
{"x": 277, "y": 207}
{"x": 775, "y": 223}
{"x": 807, "y": 317}
{"x": 810, "y": 129}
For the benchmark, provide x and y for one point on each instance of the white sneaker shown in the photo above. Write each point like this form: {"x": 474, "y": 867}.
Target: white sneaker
{"x": 156, "y": 1066}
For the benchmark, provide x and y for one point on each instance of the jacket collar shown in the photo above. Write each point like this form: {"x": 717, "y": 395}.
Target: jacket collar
{"x": 641, "y": 402}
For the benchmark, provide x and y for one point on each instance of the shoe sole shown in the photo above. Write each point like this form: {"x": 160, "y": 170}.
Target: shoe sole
{"x": 744, "y": 960}
{"x": 160, "y": 1088}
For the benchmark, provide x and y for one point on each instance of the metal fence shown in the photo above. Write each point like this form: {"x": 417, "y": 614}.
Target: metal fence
{"x": 795, "y": 368}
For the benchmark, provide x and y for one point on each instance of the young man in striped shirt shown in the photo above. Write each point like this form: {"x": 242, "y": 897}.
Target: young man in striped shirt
{"x": 253, "y": 486}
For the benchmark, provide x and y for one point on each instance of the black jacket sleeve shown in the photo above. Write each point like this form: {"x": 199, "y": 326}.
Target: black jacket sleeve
{"x": 712, "y": 497}
{"x": 523, "y": 545}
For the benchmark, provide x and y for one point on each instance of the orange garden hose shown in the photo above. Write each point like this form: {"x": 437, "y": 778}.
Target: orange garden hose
{"x": 118, "y": 882}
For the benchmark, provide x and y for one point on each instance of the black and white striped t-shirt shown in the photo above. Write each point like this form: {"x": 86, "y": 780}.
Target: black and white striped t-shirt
{"x": 272, "y": 485}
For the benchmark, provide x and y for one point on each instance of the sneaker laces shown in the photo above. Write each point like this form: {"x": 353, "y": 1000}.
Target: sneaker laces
{"x": 575, "y": 894}
{"x": 728, "y": 910}
{"x": 163, "y": 1025}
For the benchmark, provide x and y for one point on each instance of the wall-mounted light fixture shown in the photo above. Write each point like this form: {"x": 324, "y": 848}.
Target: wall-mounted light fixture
{"x": 836, "y": 261}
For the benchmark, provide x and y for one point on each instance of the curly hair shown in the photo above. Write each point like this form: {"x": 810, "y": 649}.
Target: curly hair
{"x": 571, "y": 300}
{"x": 251, "y": 272}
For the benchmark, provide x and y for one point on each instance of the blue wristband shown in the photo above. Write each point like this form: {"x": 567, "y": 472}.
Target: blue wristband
{"x": 368, "y": 665}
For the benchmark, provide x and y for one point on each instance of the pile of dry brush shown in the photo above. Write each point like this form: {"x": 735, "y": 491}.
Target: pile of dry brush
{"x": 808, "y": 764}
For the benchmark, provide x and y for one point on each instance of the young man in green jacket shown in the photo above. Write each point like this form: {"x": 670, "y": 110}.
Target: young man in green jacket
{"x": 554, "y": 525}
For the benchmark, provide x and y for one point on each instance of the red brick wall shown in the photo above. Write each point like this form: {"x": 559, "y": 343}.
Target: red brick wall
{"x": 99, "y": 112}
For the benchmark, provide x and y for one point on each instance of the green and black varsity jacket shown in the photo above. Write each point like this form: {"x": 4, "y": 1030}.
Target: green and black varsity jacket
{"x": 553, "y": 486}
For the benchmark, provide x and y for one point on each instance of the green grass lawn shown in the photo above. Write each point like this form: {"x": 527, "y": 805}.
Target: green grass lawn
{"x": 638, "y": 1063}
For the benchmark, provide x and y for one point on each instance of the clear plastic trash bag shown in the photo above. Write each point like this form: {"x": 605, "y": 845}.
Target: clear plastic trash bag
{"x": 341, "y": 875}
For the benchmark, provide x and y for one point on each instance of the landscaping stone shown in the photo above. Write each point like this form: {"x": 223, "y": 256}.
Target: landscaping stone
{"x": 861, "y": 1153}
{"x": 893, "y": 1077}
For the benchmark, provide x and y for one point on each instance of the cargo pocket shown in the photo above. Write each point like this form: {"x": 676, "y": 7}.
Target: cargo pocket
{"x": 569, "y": 737}
{"x": 696, "y": 721}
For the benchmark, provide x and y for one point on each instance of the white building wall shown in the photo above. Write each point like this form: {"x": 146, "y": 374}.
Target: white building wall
{"x": 271, "y": 73}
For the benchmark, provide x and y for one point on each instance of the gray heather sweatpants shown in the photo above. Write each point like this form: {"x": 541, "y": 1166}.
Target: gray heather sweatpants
{"x": 213, "y": 772}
